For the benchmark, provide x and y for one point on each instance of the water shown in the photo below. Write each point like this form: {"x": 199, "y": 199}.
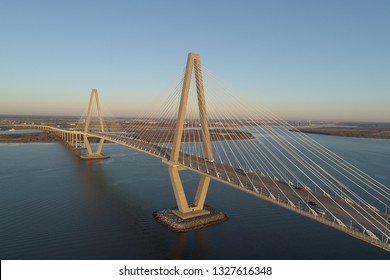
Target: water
{"x": 21, "y": 131}
{"x": 55, "y": 206}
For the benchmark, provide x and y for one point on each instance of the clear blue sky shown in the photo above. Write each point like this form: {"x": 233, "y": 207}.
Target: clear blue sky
{"x": 302, "y": 59}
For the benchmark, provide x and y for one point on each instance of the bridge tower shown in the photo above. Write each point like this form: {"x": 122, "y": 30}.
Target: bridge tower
{"x": 186, "y": 210}
{"x": 94, "y": 99}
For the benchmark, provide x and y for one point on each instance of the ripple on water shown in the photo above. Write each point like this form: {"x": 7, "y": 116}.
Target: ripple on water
{"x": 55, "y": 206}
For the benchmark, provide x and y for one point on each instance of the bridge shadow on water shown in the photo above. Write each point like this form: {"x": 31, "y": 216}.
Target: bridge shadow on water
{"x": 118, "y": 196}
{"x": 114, "y": 209}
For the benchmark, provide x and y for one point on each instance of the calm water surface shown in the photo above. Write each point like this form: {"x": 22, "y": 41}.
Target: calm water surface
{"x": 55, "y": 206}
{"x": 21, "y": 131}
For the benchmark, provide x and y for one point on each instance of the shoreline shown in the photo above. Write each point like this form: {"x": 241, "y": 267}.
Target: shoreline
{"x": 37, "y": 137}
{"x": 49, "y": 137}
{"x": 374, "y": 132}
{"x": 368, "y": 132}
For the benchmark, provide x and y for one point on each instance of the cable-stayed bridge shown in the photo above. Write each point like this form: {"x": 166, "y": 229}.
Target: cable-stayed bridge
{"x": 219, "y": 137}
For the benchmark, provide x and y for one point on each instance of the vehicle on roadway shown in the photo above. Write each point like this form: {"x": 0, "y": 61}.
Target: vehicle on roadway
{"x": 320, "y": 211}
{"x": 241, "y": 171}
{"x": 312, "y": 203}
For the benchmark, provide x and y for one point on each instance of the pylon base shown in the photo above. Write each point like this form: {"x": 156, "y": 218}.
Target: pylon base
{"x": 94, "y": 156}
{"x": 191, "y": 214}
{"x": 173, "y": 222}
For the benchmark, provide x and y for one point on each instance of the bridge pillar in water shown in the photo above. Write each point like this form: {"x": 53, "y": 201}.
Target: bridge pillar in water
{"x": 187, "y": 211}
{"x": 94, "y": 98}
{"x": 195, "y": 209}
{"x": 78, "y": 145}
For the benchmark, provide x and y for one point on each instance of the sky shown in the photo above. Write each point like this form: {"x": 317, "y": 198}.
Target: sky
{"x": 318, "y": 60}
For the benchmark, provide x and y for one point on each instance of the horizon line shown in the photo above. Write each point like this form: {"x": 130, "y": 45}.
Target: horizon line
{"x": 132, "y": 117}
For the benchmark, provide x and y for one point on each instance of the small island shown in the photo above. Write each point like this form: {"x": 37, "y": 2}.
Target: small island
{"x": 381, "y": 131}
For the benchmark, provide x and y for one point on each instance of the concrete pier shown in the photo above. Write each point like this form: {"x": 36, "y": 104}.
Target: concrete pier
{"x": 169, "y": 219}
{"x": 94, "y": 156}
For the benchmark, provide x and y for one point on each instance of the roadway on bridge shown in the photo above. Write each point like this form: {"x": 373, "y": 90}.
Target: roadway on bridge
{"x": 264, "y": 187}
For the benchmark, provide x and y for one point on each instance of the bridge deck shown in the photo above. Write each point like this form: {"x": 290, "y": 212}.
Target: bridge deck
{"x": 291, "y": 198}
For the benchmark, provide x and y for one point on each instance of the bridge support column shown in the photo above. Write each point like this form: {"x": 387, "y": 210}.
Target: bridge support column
{"x": 185, "y": 210}
{"x": 195, "y": 215}
{"x": 187, "y": 217}
{"x": 72, "y": 140}
{"x": 193, "y": 63}
{"x": 75, "y": 142}
{"x": 94, "y": 155}
{"x": 79, "y": 142}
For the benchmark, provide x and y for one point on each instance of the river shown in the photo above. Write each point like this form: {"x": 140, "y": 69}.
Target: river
{"x": 55, "y": 206}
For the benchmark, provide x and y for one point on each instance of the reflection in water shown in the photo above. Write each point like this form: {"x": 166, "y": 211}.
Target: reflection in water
{"x": 179, "y": 247}
{"x": 183, "y": 241}
{"x": 92, "y": 171}
{"x": 94, "y": 175}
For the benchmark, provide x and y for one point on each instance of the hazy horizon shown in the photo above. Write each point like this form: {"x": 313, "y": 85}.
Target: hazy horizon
{"x": 135, "y": 117}
{"x": 305, "y": 60}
